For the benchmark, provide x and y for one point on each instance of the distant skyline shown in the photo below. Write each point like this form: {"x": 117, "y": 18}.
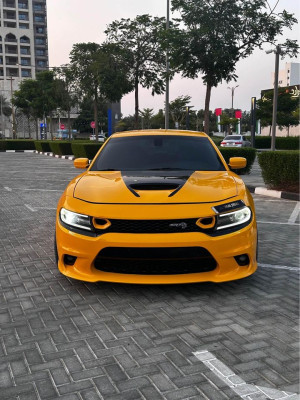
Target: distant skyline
{"x": 74, "y": 21}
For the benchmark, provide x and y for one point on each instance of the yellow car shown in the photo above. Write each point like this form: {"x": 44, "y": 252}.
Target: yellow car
{"x": 157, "y": 207}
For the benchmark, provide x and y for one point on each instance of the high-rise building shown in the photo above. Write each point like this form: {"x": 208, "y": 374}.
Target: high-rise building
{"x": 289, "y": 76}
{"x": 23, "y": 41}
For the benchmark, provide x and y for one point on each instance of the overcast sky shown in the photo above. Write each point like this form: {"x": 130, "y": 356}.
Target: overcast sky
{"x": 77, "y": 21}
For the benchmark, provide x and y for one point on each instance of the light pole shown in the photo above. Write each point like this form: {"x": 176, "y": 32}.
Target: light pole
{"x": 167, "y": 72}
{"x": 232, "y": 93}
{"x": 277, "y": 52}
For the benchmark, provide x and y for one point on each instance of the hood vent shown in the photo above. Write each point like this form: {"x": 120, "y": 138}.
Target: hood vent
{"x": 154, "y": 186}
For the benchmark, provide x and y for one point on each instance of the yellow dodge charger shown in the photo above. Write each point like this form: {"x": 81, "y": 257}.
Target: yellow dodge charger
{"x": 157, "y": 207}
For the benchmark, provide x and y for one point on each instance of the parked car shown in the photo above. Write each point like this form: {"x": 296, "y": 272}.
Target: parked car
{"x": 235, "y": 141}
{"x": 101, "y": 137}
{"x": 157, "y": 207}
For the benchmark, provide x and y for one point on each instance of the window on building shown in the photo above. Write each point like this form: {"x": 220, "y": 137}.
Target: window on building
{"x": 9, "y": 14}
{"x": 26, "y": 73}
{"x": 23, "y": 5}
{"x": 23, "y": 26}
{"x": 40, "y": 52}
{"x": 25, "y": 61}
{"x": 24, "y": 39}
{"x": 24, "y": 50}
{"x": 10, "y": 24}
{"x": 40, "y": 29}
{"x": 10, "y": 38}
{"x": 23, "y": 17}
{"x": 39, "y": 18}
{"x": 37, "y": 7}
{"x": 41, "y": 63}
{"x": 39, "y": 41}
{"x": 9, "y": 3}
{"x": 1, "y": 60}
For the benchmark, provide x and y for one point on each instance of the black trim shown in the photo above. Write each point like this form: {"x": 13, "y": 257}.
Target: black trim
{"x": 158, "y": 204}
{"x": 78, "y": 230}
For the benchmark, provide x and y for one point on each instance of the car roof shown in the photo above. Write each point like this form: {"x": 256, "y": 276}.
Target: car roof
{"x": 153, "y": 132}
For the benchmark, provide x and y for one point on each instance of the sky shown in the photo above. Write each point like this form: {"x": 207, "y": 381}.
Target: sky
{"x": 75, "y": 21}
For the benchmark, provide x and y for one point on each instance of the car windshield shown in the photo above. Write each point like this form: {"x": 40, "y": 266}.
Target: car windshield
{"x": 159, "y": 152}
{"x": 231, "y": 137}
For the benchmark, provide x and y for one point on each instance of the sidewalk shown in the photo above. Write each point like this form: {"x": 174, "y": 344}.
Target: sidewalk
{"x": 255, "y": 183}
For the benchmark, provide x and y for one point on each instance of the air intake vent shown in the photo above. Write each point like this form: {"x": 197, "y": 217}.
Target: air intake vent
{"x": 154, "y": 186}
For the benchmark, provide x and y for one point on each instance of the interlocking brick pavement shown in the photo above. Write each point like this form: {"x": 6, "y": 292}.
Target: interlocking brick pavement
{"x": 65, "y": 339}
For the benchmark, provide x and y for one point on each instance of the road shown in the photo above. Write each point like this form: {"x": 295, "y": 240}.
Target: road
{"x": 63, "y": 339}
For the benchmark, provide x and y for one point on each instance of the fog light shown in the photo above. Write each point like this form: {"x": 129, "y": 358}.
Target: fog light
{"x": 69, "y": 260}
{"x": 242, "y": 259}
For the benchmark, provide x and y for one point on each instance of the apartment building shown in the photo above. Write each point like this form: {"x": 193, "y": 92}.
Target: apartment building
{"x": 23, "y": 41}
{"x": 289, "y": 76}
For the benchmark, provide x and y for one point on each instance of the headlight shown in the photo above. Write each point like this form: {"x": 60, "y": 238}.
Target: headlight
{"x": 234, "y": 218}
{"x": 73, "y": 219}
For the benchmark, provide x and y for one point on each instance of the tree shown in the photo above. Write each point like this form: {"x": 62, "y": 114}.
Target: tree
{"x": 218, "y": 33}
{"x": 228, "y": 122}
{"x": 178, "y": 109}
{"x": 65, "y": 92}
{"x": 37, "y": 97}
{"x": 98, "y": 71}
{"x": 146, "y": 115}
{"x": 144, "y": 58}
{"x": 287, "y": 109}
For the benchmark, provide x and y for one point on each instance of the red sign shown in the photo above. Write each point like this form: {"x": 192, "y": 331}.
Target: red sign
{"x": 93, "y": 124}
{"x": 218, "y": 111}
{"x": 238, "y": 114}
{"x": 62, "y": 126}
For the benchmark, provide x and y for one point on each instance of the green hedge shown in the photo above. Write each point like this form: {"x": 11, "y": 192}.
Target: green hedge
{"x": 61, "y": 147}
{"x": 42, "y": 145}
{"x": 85, "y": 150}
{"x": 217, "y": 140}
{"x": 2, "y": 145}
{"x": 247, "y": 152}
{"x": 281, "y": 143}
{"x": 17, "y": 144}
{"x": 280, "y": 169}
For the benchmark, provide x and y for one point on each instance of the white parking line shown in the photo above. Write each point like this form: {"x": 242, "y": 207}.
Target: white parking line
{"x": 35, "y": 189}
{"x": 295, "y": 213}
{"x": 277, "y": 223}
{"x": 30, "y": 208}
{"x": 295, "y": 269}
{"x": 237, "y": 384}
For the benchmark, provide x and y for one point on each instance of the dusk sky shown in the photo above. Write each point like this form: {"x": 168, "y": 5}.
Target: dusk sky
{"x": 75, "y": 21}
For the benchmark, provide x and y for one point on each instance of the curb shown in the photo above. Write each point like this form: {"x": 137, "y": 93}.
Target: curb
{"x": 18, "y": 151}
{"x": 274, "y": 193}
{"x": 54, "y": 155}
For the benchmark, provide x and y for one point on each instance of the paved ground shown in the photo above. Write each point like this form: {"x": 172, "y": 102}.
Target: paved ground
{"x": 63, "y": 339}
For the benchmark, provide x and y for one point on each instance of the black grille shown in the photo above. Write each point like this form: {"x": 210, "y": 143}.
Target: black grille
{"x": 154, "y": 226}
{"x": 155, "y": 260}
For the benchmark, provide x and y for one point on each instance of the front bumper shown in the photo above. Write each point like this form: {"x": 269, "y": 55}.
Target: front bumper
{"x": 223, "y": 249}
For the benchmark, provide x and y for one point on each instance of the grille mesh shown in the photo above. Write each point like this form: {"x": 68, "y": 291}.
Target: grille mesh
{"x": 155, "y": 261}
{"x": 153, "y": 226}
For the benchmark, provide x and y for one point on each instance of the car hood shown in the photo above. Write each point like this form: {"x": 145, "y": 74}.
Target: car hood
{"x": 114, "y": 187}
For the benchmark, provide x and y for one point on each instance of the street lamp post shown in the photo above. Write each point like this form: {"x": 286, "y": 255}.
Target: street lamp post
{"x": 167, "y": 72}
{"x": 232, "y": 93}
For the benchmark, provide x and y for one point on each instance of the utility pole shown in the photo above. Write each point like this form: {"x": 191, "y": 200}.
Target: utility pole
{"x": 167, "y": 72}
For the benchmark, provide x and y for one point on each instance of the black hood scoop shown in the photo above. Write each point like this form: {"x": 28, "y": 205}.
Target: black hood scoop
{"x": 155, "y": 180}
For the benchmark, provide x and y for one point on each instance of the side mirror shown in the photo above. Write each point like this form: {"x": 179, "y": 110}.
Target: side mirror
{"x": 81, "y": 163}
{"x": 237, "y": 162}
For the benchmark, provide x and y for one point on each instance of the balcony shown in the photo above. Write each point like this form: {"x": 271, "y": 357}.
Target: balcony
{"x": 9, "y": 3}
{"x": 23, "y": 6}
